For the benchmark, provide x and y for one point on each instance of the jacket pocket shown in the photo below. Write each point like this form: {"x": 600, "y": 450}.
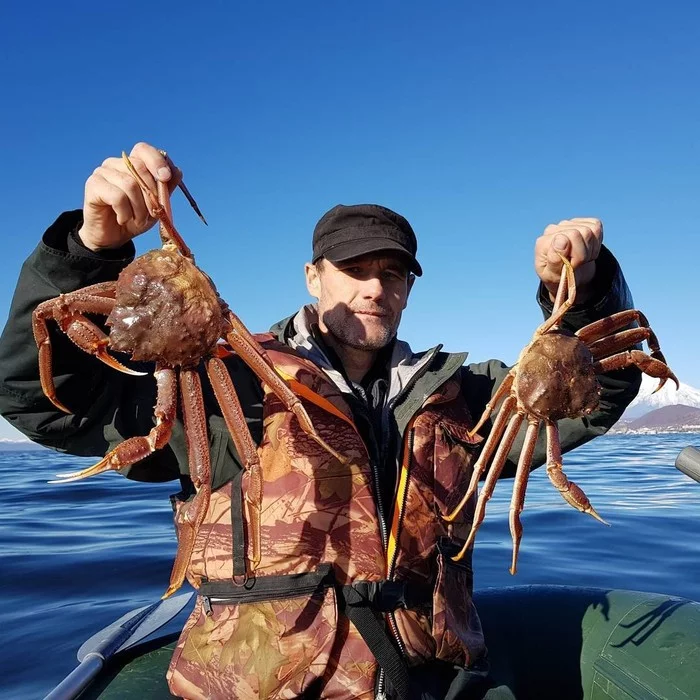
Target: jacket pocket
{"x": 260, "y": 649}
{"x": 454, "y": 457}
{"x": 456, "y": 627}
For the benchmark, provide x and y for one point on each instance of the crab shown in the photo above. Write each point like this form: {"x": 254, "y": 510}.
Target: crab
{"x": 555, "y": 378}
{"x": 164, "y": 310}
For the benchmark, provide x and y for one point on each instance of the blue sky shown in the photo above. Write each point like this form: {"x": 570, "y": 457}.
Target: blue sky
{"x": 480, "y": 122}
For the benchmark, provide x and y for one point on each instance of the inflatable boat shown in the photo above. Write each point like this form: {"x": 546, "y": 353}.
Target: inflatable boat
{"x": 558, "y": 642}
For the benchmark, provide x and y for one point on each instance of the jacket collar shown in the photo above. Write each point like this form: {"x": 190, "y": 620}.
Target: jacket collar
{"x": 403, "y": 368}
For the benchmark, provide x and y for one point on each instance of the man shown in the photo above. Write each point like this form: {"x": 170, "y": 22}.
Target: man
{"x": 355, "y": 593}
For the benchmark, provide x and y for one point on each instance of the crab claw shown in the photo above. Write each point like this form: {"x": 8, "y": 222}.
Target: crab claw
{"x": 58, "y": 404}
{"x": 663, "y": 380}
{"x": 102, "y": 355}
{"x": 658, "y": 388}
{"x": 103, "y": 465}
{"x": 124, "y": 454}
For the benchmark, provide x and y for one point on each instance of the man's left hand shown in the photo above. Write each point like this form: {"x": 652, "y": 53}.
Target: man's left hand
{"x": 577, "y": 239}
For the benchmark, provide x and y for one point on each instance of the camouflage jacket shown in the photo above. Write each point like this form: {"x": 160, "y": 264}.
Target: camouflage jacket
{"x": 323, "y": 540}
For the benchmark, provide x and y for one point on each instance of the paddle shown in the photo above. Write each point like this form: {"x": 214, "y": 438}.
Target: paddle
{"x": 120, "y": 635}
{"x": 688, "y": 461}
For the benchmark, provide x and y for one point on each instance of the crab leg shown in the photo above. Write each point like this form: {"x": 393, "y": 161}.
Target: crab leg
{"x": 517, "y": 501}
{"x": 563, "y": 290}
{"x": 136, "y": 448}
{"x": 603, "y": 327}
{"x": 561, "y": 305}
{"x": 494, "y": 472}
{"x": 267, "y": 374}
{"x": 506, "y": 384}
{"x": 649, "y": 365}
{"x": 571, "y": 492}
{"x": 600, "y": 343}
{"x": 192, "y": 514}
{"x": 624, "y": 340}
{"x": 238, "y": 327}
{"x": 497, "y": 431}
{"x": 160, "y": 206}
{"x": 233, "y": 415}
{"x": 67, "y": 312}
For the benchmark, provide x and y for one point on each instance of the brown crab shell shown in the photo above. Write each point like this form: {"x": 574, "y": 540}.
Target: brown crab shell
{"x": 166, "y": 311}
{"x": 556, "y": 379}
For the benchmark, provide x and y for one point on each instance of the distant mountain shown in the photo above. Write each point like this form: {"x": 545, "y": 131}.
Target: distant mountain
{"x": 678, "y": 417}
{"x": 11, "y": 445}
{"x": 647, "y": 401}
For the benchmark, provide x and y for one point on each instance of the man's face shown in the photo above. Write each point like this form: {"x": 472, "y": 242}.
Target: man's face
{"x": 360, "y": 300}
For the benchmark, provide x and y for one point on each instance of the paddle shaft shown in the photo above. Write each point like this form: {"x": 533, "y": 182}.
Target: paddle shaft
{"x": 78, "y": 679}
{"x": 81, "y": 676}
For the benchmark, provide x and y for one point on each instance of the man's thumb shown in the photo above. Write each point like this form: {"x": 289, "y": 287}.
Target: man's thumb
{"x": 560, "y": 246}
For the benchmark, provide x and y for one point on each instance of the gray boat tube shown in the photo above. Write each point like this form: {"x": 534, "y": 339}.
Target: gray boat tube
{"x": 688, "y": 461}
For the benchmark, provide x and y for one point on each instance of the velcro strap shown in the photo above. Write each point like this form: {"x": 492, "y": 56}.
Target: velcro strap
{"x": 387, "y": 596}
{"x": 239, "y": 568}
{"x": 271, "y": 587}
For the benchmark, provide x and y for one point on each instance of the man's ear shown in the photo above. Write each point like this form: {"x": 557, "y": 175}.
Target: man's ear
{"x": 409, "y": 286}
{"x": 313, "y": 280}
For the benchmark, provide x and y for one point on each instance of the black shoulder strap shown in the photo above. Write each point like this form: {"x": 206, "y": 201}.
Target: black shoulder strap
{"x": 371, "y": 626}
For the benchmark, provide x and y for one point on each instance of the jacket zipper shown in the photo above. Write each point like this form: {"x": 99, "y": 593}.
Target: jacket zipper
{"x": 251, "y": 597}
{"x": 402, "y": 507}
{"x": 391, "y": 617}
{"x": 380, "y": 505}
{"x": 391, "y": 620}
{"x": 402, "y": 394}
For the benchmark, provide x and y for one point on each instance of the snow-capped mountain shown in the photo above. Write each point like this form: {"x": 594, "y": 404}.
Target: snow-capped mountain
{"x": 12, "y": 445}
{"x": 668, "y": 396}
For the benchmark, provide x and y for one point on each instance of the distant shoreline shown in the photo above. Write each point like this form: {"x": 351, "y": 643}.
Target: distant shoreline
{"x": 689, "y": 429}
{"x": 20, "y": 446}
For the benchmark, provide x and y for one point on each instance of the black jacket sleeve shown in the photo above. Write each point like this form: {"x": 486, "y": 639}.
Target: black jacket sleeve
{"x": 107, "y": 406}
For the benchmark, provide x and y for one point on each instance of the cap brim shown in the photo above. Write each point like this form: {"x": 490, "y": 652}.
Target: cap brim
{"x": 354, "y": 249}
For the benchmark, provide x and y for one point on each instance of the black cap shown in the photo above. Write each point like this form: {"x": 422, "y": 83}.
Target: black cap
{"x": 346, "y": 232}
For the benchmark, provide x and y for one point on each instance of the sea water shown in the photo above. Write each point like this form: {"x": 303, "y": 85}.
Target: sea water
{"x": 75, "y": 557}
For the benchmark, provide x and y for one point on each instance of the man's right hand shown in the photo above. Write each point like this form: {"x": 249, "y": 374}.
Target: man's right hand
{"x": 115, "y": 209}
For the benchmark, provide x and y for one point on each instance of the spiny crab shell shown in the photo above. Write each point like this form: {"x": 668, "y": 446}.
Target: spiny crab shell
{"x": 556, "y": 378}
{"x": 166, "y": 311}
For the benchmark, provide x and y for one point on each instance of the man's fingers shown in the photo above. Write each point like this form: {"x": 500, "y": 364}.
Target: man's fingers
{"x": 578, "y": 239}
{"x": 130, "y": 189}
{"x": 156, "y": 163}
{"x": 577, "y": 244}
{"x": 596, "y": 225}
{"x": 159, "y": 165}
{"x": 558, "y": 245}
{"x": 118, "y": 164}
{"x": 143, "y": 170}
{"x": 590, "y": 228}
{"x": 137, "y": 199}
{"x": 101, "y": 192}
{"x": 151, "y": 165}
{"x": 584, "y": 236}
